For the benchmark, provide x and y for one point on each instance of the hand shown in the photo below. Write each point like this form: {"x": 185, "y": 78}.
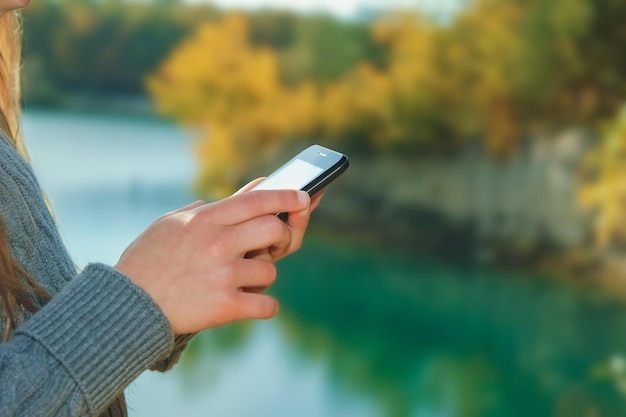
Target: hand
{"x": 193, "y": 263}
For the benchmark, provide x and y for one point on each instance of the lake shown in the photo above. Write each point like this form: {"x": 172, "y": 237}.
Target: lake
{"x": 362, "y": 331}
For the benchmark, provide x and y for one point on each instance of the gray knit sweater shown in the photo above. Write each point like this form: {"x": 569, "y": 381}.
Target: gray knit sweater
{"x": 75, "y": 356}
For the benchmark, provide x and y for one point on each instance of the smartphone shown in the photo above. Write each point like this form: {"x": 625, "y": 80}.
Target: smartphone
{"x": 311, "y": 170}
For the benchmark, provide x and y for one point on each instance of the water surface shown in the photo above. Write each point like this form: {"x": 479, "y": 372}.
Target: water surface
{"x": 362, "y": 331}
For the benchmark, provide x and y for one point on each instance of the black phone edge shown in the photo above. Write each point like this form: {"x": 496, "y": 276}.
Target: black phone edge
{"x": 314, "y": 186}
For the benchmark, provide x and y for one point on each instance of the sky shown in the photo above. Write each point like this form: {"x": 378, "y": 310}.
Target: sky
{"x": 342, "y": 8}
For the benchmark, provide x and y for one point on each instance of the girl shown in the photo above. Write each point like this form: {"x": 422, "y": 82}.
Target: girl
{"x": 73, "y": 341}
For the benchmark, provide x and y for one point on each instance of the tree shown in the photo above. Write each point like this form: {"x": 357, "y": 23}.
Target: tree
{"x": 501, "y": 71}
{"x": 218, "y": 82}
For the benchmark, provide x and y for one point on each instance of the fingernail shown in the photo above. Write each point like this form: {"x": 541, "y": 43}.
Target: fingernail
{"x": 303, "y": 197}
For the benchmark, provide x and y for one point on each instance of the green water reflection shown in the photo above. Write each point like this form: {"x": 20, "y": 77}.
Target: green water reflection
{"x": 425, "y": 339}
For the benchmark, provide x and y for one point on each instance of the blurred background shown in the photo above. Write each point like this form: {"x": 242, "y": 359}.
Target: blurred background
{"x": 472, "y": 260}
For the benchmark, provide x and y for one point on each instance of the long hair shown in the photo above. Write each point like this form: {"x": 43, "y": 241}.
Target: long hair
{"x": 10, "y": 58}
{"x": 17, "y": 287}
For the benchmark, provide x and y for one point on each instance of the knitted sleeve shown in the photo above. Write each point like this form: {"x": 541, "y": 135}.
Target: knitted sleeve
{"x": 78, "y": 353}
{"x": 168, "y": 361}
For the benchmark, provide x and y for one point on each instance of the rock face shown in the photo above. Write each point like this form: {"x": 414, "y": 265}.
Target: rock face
{"x": 469, "y": 204}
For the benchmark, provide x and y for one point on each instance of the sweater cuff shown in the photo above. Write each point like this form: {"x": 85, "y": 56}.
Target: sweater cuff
{"x": 104, "y": 330}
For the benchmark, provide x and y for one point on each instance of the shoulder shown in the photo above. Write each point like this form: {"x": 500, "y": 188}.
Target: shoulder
{"x": 20, "y": 193}
{"x": 15, "y": 172}
{"x": 31, "y": 230}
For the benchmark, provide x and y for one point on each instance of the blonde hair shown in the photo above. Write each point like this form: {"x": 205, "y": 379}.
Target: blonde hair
{"x": 16, "y": 285}
{"x": 10, "y": 58}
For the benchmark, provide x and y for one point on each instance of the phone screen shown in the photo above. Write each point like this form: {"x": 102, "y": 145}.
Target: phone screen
{"x": 293, "y": 176}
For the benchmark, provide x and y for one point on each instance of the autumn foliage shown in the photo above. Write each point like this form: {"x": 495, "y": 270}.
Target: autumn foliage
{"x": 218, "y": 82}
{"x": 500, "y": 71}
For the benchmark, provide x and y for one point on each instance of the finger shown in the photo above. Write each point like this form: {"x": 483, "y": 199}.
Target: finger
{"x": 297, "y": 218}
{"x": 253, "y": 273}
{"x": 257, "y": 306}
{"x": 259, "y": 233}
{"x": 315, "y": 200}
{"x": 301, "y": 218}
{"x": 245, "y": 206}
{"x": 249, "y": 186}
{"x": 298, "y": 223}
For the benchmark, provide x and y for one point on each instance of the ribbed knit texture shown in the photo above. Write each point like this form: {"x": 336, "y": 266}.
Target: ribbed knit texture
{"x": 103, "y": 331}
{"x": 76, "y": 355}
